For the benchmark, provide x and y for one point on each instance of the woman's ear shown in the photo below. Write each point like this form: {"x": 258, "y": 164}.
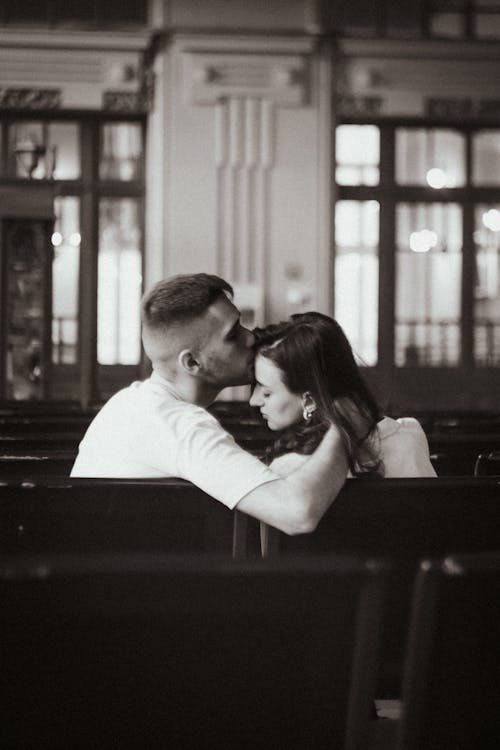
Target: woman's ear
{"x": 188, "y": 362}
{"x": 309, "y": 405}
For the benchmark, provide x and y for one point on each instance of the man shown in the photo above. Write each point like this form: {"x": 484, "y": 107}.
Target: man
{"x": 160, "y": 427}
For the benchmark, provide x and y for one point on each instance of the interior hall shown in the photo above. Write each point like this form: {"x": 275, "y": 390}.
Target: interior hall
{"x": 332, "y": 157}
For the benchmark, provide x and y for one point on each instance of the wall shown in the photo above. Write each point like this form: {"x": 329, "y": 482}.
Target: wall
{"x": 247, "y": 165}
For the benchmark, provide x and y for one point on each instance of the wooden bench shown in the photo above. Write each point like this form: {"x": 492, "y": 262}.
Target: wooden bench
{"x": 63, "y": 515}
{"x": 456, "y": 453}
{"x": 37, "y": 464}
{"x": 488, "y": 464}
{"x": 403, "y": 520}
{"x": 24, "y": 425}
{"x": 451, "y": 680}
{"x": 154, "y": 652}
{"x": 30, "y": 442}
{"x": 62, "y": 408}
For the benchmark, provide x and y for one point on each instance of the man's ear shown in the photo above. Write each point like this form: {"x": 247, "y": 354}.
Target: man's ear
{"x": 188, "y": 362}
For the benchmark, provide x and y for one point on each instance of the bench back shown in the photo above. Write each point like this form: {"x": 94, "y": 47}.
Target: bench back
{"x": 41, "y": 464}
{"x": 41, "y": 441}
{"x": 70, "y": 515}
{"x": 451, "y": 681}
{"x": 403, "y": 520}
{"x": 161, "y": 652}
{"x": 456, "y": 452}
{"x": 488, "y": 464}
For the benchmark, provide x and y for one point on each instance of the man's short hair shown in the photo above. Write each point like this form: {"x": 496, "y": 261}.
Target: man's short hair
{"x": 181, "y": 299}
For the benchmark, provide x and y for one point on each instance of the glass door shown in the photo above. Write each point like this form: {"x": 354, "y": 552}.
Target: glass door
{"x": 26, "y": 290}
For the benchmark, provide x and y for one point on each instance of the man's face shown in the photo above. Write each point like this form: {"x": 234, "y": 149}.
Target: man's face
{"x": 226, "y": 355}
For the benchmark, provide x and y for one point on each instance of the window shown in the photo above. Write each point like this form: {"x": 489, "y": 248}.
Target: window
{"x": 487, "y": 284}
{"x": 356, "y": 275}
{"x": 428, "y": 283}
{"x": 459, "y": 19}
{"x": 417, "y": 252}
{"x": 119, "y": 282}
{"x": 87, "y": 173}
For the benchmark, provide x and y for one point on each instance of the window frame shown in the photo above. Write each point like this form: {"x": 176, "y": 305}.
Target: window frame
{"x": 407, "y": 384}
{"x": 95, "y": 382}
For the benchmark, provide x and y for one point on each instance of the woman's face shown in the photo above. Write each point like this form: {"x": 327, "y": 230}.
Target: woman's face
{"x": 278, "y": 405}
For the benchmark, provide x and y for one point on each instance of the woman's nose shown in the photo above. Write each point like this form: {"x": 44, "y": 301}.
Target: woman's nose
{"x": 254, "y": 398}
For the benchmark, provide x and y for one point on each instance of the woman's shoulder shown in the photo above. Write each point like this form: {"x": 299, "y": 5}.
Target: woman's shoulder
{"x": 404, "y": 448}
{"x": 389, "y": 426}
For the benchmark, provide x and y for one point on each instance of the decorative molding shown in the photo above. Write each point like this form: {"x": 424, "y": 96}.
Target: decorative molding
{"x": 462, "y": 108}
{"x": 30, "y": 98}
{"x": 252, "y": 43}
{"x": 52, "y": 39}
{"x": 209, "y": 77}
{"x": 244, "y": 154}
{"x": 420, "y": 49}
{"x": 125, "y": 101}
{"x": 354, "y": 106}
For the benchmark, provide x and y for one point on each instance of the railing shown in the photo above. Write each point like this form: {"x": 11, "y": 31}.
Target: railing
{"x": 426, "y": 343}
{"x": 421, "y": 343}
{"x": 487, "y": 343}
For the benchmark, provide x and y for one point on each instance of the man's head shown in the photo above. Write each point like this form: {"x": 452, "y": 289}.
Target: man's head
{"x": 191, "y": 327}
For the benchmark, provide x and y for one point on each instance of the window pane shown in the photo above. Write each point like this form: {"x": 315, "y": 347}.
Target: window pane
{"x": 428, "y": 283}
{"x": 65, "y": 276}
{"x": 356, "y": 275}
{"x": 64, "y": 142}
{"x": 487, "y": 26}
{"x": 447, "y": 25}
{"x": 486, "y": 157}
{"x": 44, "y": 150}
{"x": 434, "y": 157}
{"x": 357, "y": 153}
{"x": 27, "y": 256}
{"x": 121, "y": 151}
{"x": 487, "y": 285}
{"x": 119, "y": 283}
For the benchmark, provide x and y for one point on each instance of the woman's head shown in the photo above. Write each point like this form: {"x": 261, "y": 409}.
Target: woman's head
{"x": 306, "y": 374}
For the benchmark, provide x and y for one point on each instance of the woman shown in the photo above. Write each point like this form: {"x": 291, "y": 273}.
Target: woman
{"x": 306, "y": 378}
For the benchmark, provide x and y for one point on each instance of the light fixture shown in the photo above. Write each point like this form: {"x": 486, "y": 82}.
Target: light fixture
{"x": 28, "y": 155}
{"x": 491, "y": 219}
{"x": 423, "y": 241}
{"x": 436, "y": 178}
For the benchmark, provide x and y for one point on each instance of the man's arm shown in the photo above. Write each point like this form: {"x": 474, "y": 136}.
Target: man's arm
{"x": 295, "y": 503}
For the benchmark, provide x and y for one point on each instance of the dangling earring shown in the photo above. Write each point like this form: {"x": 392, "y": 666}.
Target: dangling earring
{"x": 309, "y": 408}
{"x": 308, "y": 412}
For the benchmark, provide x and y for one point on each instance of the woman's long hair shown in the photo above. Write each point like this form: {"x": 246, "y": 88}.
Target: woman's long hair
{"x": 314, "y": 355}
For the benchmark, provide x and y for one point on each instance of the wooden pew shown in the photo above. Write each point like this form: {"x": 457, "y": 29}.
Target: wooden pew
{"x": 455, "y": 441}
{"x": 403, "y": 520}
{"x": 488, "y": 464}
{"x": 30, "y": 442}
{"x": 457, "y": 452}
{"x": 47, "y": 423}
{"x": 71, "y": 516}
{"x": 63, "y": 408}
{"x": 155, "y": 652}
{"x": 36, "y": 464}
{"x": 451, "y": 680}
